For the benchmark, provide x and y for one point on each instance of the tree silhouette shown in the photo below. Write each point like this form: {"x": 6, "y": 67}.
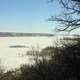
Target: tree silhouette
{"x": 71, "y": 16}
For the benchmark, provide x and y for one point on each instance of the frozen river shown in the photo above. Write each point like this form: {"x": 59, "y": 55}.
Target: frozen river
{"x": 12, "y": 47}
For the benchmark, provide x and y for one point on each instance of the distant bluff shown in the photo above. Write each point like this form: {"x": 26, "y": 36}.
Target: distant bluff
{"x": 13, "y": 34}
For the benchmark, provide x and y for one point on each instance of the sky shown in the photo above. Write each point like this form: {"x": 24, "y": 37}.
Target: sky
{"x": 27, "y": 16}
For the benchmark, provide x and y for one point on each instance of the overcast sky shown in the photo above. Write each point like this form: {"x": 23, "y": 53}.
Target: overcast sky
{"x": 27, "y": 15}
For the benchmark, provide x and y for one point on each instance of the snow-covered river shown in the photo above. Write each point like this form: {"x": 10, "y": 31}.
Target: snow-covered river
{"x": 12, "y": 47}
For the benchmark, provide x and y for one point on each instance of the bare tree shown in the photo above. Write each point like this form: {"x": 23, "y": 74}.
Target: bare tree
{"x": 71, "y": 17}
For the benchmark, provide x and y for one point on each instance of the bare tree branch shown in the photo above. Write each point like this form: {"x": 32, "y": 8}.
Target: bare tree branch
{"x": 68, "y": 20}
